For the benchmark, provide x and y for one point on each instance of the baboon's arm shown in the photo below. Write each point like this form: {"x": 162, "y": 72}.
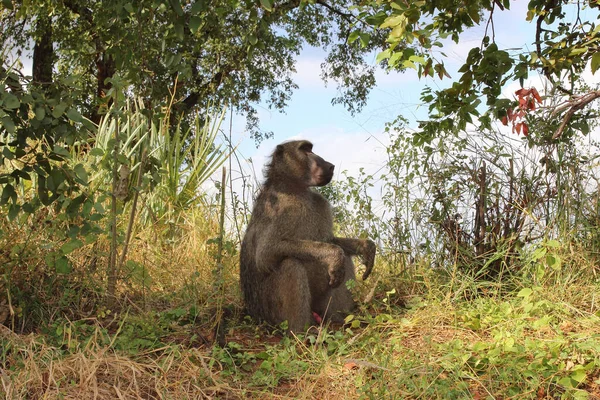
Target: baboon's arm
{"x": 270, "y": 255}
{"x": 364, "y": 248}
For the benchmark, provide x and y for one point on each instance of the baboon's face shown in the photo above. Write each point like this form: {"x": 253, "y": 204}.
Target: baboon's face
{"x": 295, "y": 160}
{"x": 321, "y": 171}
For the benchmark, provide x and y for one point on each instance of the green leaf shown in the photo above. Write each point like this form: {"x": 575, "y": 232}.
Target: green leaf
{"x": 61, "y": 151}
{"x": 90, "y": 125}
{"x": 553, "y": 261}
{"x": 595, "y": 62}
{"x": 87, "y": 209}
{"x": 179, "y": 31}
{"x": 530, "y": 15}
{"x": 267, "y": 4}
{"x": 253, "y": 40}
{"x": 578, "y": 51}
{"x": 71, "y": 246}
{"x": 8, "y": 193}
{"x": 539, "y": 253}
{"x": 91, "y": 238}
{"x": 579, "y": 375}
{"x": 392, "y": 21}
{"x": 74, "y": 115}
{"x": 13, "y": 211}
{"x": 408, "y": 64}
{"x": 393, "y": 61}
{"x": 81, "y": 173}
{"x": 417, "y": 59}
{"x": 11, "y": 101}
{"x": 197, "y": 7}
{"x": 97, "y": 152}
{"x": 63, "y": 266}
{"x": 195, "y": 23}
{"x": 8, "y": 124}
{"x": 383, "y": 55}
{"x": 364, "y": 39}
{"x": 177, "y": 7}
{"x": 59, "y": 110}
{"x": 40, "y": 113}
{"x": 473, "y": 12}
{"x": 7, "y": 4}
{"x": 399, "y": 29}
{"x": 525, "y": 292}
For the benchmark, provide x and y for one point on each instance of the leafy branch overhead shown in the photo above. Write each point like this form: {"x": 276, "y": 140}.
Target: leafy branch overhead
{"x": 564, "y": 44}
{"x": 224, "y": 51}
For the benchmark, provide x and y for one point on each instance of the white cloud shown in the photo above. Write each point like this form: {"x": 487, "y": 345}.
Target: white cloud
{"x": 308, "y": 72}
{"x": 347, "y": 151}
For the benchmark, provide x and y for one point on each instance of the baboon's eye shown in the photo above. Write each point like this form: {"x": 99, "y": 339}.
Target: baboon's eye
{"x": 306, "y": 147}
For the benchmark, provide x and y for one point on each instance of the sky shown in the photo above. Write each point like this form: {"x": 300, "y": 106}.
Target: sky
{"x": 354, "y": 142}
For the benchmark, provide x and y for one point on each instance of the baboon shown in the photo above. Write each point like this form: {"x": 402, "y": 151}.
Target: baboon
{"x": 291, "y": 264}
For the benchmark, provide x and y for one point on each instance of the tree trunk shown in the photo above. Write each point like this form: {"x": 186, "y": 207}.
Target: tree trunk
{"x": 43, "y": 53}
{"x": 105, "y": 68}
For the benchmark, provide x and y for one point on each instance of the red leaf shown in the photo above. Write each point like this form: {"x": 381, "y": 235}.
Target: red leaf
{"x": 525, "y": 129}
{"x": 531, "y": 104}
{"x": 510, "y": 114}
{"x": 536, "y": 95}
{"x": 522, "y": 92}
{"x": 504, "y": 120}
{"x": 518, "y": 126}
{"x": 351, "y": 365}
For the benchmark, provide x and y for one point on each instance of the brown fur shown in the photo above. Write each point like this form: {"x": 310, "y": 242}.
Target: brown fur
{"x": 290, "y": 262}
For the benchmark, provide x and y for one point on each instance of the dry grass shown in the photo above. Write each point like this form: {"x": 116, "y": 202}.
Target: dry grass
{"x": 413, "y": 355}
{"x": 415, "y": 340}
{"x": 101, "y": 373}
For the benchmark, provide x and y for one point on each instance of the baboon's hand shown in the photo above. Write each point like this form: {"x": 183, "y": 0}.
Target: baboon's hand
{"x": 336, "y": 268}
{"x": 368, "y": 257}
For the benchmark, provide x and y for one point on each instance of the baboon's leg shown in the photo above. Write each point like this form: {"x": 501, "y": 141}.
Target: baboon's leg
{"x": 337, "y": 302}
{"x": 289, "y": 297}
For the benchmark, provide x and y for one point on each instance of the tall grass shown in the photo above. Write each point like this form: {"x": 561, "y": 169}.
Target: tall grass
{"x": 425, "y": 328}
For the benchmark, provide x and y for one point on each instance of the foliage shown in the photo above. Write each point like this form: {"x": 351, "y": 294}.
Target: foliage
{"x": 539, "y": 340}
{"x": 141, "y": 149}
{"x": 471, "y": 201}
{"x": 173, "y": 162}
{"x": 564, "y": 42}
{"x": 37, "y": 132}
{"x": 220, "y": 52}
{"x": 460, "y": 208}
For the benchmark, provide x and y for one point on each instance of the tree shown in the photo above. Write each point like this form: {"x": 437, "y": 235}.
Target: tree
{"x": 564, "y": 45}
{"x": 239, "y": 52}
{"x": 176, "y": 55}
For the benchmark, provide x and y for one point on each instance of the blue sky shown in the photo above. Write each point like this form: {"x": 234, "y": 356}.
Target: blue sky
{"x": 352, "y": 142}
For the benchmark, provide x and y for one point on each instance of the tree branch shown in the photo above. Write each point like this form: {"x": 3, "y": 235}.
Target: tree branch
{"x": 347, "y": 16}
{"x": 538, "y": 43}
{"x": 574, "y": 105}
{"x": 226, "y": 69}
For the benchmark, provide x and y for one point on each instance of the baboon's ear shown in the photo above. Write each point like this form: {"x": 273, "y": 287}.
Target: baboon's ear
{"x": 305, "y": 146}
{"x": 279, "y": 150}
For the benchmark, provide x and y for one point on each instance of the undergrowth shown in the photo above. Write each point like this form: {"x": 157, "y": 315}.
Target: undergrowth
{"x": 420, "y": 332}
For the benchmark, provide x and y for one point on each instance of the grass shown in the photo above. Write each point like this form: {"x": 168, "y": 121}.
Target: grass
{"x": 418, "y": 335}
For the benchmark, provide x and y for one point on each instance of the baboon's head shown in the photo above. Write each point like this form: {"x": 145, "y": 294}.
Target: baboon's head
{"x": 295, "y": 163}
